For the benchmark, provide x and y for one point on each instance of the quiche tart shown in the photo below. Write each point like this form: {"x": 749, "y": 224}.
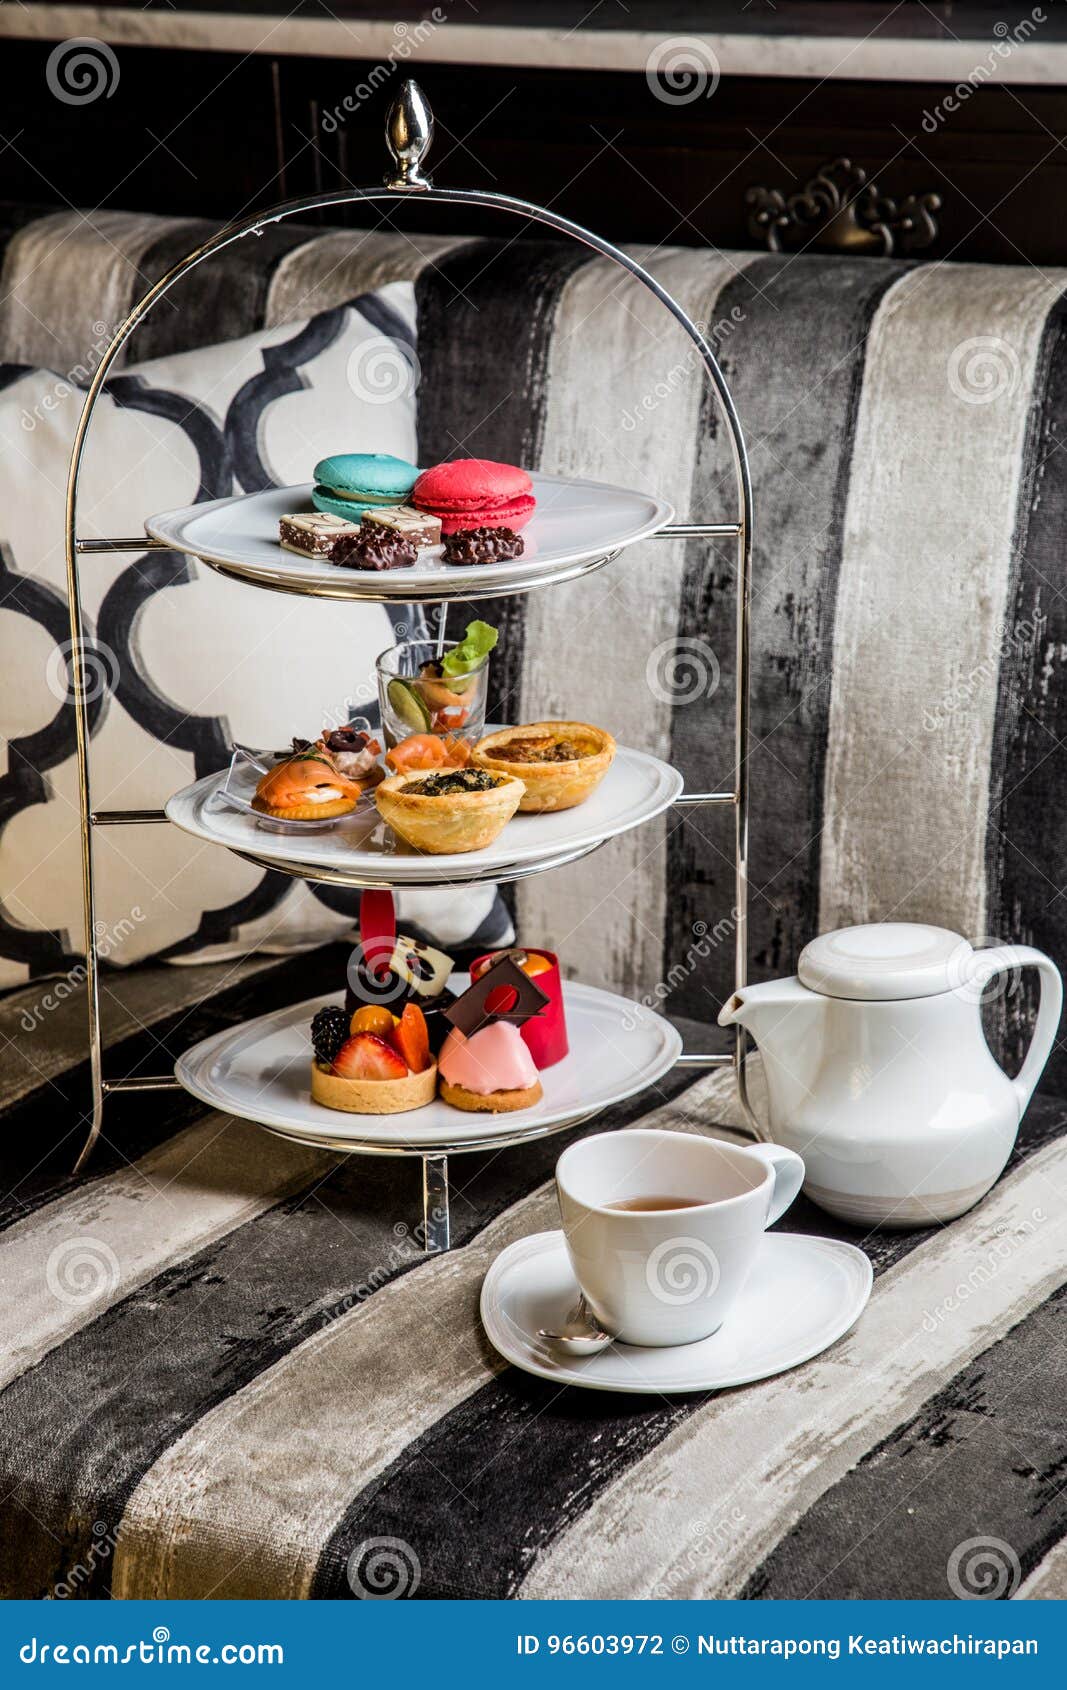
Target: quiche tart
{"x": 559, "y": 763}
{"x": 450, "y": 809}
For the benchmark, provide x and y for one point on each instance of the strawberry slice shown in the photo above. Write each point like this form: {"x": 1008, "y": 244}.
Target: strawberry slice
{"x": 412, "y": 1039}
{"x": 367, "y": 1057}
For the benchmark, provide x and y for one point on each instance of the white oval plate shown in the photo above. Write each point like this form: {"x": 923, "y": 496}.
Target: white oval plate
{"x": 261, "y": 1072}
{"x": 801, "y": 1296}
{"x": 636, "y": 788}
{"x": 575, "y": 523}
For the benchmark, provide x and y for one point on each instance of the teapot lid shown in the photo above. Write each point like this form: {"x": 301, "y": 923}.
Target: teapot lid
{"x": 885, "y": 959}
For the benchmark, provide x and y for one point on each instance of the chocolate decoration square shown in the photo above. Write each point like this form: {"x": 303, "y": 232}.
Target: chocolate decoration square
{"x": 469, "y": 1012}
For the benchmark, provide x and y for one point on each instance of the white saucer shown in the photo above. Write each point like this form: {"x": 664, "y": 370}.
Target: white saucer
{"x": 803, "y": 1293}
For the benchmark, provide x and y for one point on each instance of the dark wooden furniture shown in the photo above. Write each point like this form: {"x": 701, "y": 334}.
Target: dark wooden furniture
{"x": 215, "y": 134}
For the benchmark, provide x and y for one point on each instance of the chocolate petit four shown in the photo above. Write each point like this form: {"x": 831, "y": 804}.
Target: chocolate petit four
{"x": 369, "y": 549}
{"x": 545, "y": 1033}
{"x": 314, "y": 534}
{"x": 482, "y": 545}
{"x": 415, "y": 973}
{"x": 417, "y": 526}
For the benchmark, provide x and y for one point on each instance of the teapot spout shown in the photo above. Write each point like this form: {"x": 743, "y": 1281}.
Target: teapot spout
{"x": 788, "y": 1023}
{"x": 759, "y": 1007}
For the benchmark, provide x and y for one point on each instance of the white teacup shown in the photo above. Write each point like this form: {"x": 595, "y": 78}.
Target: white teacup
{"x": 658, "y": 1276}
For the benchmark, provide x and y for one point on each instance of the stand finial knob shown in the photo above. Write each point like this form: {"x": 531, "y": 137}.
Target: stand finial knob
{"x": 408, "y": 134}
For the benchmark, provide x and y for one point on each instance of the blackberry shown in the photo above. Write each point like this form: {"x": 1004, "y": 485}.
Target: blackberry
{"x": 329, "y": 1030}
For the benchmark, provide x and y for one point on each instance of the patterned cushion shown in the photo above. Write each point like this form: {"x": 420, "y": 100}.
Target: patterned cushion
{"x": 184, "y": 661}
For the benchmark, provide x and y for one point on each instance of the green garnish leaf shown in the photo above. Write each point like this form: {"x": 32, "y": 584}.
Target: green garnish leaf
{"x": 472, "y": 649}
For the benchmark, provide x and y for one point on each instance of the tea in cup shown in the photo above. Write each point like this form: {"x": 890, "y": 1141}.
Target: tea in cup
{"x": 662, "y": 1228}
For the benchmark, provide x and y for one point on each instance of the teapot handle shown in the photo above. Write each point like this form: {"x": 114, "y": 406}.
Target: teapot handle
{"x": 1002, "y": 958}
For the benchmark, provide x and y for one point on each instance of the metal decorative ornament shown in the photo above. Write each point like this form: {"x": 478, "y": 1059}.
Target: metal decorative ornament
{"x": 839, "y": 210}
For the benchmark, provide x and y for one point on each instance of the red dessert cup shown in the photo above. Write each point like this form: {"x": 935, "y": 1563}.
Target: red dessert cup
{"x": 544, "y": 1035}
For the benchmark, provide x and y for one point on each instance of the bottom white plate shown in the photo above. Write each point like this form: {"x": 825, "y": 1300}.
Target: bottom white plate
{"x": 261, "y": 1072}
{"x": 802, "y": 1294}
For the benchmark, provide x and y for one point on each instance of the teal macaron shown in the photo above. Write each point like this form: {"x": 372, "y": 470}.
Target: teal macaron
{"x": 353, "y": 482}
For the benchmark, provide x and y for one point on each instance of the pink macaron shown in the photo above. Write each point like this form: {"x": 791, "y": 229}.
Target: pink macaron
{"x": 475, "y": 493}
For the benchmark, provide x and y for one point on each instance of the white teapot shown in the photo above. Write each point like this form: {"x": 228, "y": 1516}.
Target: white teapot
{"x": 879, "y": 1075}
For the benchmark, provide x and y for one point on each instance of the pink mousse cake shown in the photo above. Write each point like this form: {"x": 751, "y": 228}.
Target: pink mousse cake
{"x": 492, "y": 1070}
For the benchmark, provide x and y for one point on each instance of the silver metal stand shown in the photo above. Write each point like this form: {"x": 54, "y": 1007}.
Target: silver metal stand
{"x": 437, "y": 1231}
{"x": 409, "y": 131}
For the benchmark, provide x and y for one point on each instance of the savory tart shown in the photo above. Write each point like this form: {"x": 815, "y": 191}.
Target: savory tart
{"x": 559, "y": 763}
{"x": 449, "y": 809}
{"x": 306, "y": 787}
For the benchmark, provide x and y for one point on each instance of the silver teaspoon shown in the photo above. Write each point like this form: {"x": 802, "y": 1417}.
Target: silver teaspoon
{"x": 580, "y": 1335}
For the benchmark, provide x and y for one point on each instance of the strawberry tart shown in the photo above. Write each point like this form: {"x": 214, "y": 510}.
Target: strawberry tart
{"x": 375, "y": 1063}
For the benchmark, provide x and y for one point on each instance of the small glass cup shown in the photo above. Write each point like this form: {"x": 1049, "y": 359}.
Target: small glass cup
{"x": 417, "y": 699}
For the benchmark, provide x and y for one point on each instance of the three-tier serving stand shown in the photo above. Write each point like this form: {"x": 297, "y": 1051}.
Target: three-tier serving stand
{"x": 409, "y": 131}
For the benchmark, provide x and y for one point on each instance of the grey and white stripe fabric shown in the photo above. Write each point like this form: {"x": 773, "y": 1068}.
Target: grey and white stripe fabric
{"x": 902, "y": 421}
{"x": 248, "y": 1395}
{"x": 226, "y": 1367}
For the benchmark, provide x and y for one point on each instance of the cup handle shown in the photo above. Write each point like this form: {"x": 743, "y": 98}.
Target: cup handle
{"x": 788, "y": 1169}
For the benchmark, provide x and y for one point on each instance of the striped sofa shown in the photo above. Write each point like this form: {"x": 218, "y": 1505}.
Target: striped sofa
{"x": 227, "y": 1368}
